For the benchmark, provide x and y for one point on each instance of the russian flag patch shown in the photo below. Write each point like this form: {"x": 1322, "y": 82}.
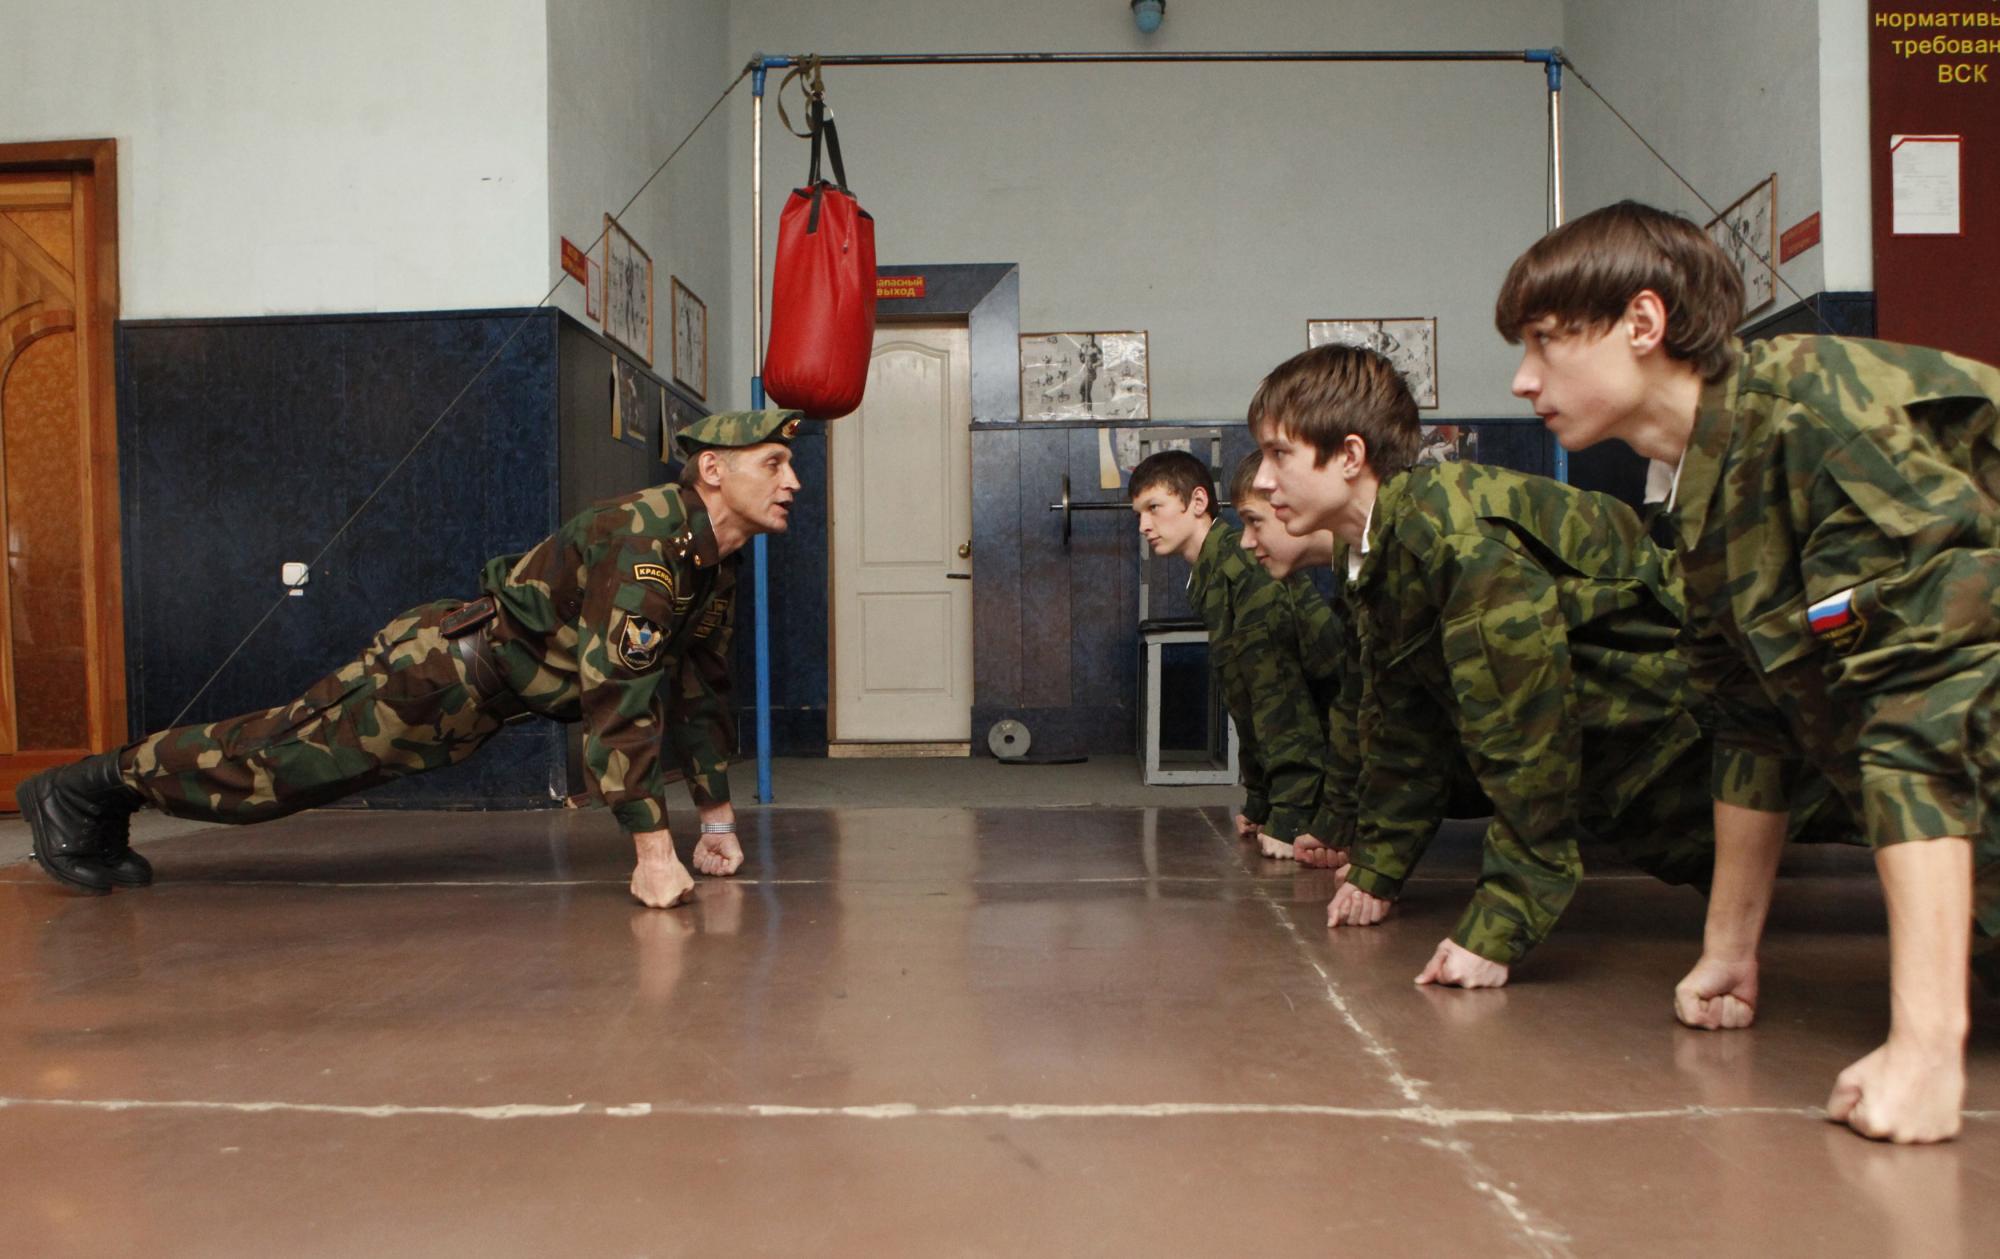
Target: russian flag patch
{"x": 1835, "y": 621}
{"x": 1832, "y": 612}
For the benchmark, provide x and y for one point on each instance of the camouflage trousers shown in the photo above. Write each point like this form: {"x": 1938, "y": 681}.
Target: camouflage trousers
{"x": 401, "y": 707}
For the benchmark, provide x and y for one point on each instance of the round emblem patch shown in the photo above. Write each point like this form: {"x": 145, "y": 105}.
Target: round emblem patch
{"x": 640, "y": 642}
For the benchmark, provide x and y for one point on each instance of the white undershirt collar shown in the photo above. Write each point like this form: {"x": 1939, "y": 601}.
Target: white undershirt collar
{"x": 1356, "y": 554}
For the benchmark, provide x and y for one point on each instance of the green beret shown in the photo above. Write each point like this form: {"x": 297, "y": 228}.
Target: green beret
{"x": 732, "y": 430}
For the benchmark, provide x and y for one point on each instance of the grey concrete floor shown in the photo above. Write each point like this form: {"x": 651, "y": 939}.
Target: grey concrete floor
{"x": 919, "y": 1031}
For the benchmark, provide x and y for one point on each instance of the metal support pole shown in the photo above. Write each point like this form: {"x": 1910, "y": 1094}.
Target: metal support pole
{"x": 1131, "y": 58}
{"x": 1555, "y": 69}
{"x": 760, "y": 563}
{"x": 1555, "y": 142}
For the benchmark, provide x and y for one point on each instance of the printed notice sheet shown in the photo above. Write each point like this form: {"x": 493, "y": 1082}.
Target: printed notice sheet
{"x": 1923, "y": 173}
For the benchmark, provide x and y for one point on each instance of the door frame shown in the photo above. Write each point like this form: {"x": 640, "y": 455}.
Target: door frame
{"x": 107, "y": 720}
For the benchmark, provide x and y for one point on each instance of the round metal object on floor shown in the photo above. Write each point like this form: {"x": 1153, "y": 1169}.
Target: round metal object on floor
{"x": 1008, "y": 739}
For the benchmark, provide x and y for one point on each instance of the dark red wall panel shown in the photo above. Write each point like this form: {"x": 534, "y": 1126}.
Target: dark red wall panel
{"x": 1934, "y": 69}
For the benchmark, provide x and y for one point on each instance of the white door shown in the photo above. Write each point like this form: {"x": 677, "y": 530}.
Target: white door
{"x": 900, "y": 507}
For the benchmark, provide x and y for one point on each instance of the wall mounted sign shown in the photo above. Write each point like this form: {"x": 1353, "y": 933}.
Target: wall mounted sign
{"x": 891, "y": 287}
{"x": 575, "y": 262}
{"x": 1799, "y": 237}
{"x": 1924, "y": 185}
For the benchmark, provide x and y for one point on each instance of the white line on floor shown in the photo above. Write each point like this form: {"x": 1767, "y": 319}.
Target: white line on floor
{"x": 1422, "y": 1116}
{"x": 1543, "y": 1238}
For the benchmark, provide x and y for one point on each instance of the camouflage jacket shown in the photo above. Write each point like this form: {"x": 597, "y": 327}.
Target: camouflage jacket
{"x": 621, "y": 619}
{"x": 1256, "y": 636}
{"x": 1327, "y": 647}
{"x": 1858, "y": 478}
{"x": 1533, "y": 625}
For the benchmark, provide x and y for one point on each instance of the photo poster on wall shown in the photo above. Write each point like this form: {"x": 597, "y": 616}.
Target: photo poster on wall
{"x": 628, "y": 303}
{"x": 1410, "y": 344}
{"x": 1084, "y": 376}
{"x": 1748, "y": 232}
{"x": 635, "y": 405}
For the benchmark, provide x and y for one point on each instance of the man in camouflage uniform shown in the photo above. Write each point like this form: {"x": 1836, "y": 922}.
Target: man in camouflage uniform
{"x": 620, "y": 620}
{"x": 1837, "y": 519}
{"x": 1523, "y": 624}
{"x": 1254, "y": 625}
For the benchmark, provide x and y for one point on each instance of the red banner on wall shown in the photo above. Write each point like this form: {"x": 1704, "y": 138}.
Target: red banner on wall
{"x": 575, "y": 263}
{"x": 1799, "y": 237}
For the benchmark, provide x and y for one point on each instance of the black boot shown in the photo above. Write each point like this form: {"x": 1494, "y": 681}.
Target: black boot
{"x": 79, "y": 815}
{"x": 126, "y": 867}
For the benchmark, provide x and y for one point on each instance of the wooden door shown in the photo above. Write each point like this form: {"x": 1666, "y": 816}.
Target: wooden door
{"x": 901, "y": 515}
{"x": 62, "y": 665}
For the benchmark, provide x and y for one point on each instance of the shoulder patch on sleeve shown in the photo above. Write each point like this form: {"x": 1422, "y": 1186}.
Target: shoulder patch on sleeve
{"x": 658, "y": 574}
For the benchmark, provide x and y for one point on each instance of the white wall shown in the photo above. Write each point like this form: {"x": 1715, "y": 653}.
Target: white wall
{"x": 627, "y": 79}
{"x": 287, "y": 157}
{"x": 1216, "y": 207}
{"x": 1728, "y": 92}
{"x": 1848, "y": 212}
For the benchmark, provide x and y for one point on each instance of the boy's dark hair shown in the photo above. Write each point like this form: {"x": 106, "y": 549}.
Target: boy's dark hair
{"x": 1333, "y": 392}
{"x": 1585, "y": 272}
{"x": 1177, "y": 470}
{"x": 1242, "y": 482}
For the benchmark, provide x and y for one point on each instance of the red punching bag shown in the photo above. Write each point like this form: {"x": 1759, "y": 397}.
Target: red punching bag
{"x": 822, "y": 291}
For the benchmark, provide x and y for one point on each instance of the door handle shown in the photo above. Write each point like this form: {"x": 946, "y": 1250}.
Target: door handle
{"x": 965, "y": 550}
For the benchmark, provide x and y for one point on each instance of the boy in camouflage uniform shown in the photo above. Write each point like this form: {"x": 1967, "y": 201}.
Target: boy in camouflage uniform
{"x": 1254, "y": 625}
{"x": 1324, "y": 650}
{"x": 1523, "y": 624}
{"x": 1836, "y": 517}
{"x": 1326, "y": 637}
{"x": 620, "y": 620}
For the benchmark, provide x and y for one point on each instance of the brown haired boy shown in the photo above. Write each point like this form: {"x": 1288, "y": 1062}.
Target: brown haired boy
{"x": 1841, "y": 552}
{"x": 1523, "y": 624}
{"x": 1257, "y": 629}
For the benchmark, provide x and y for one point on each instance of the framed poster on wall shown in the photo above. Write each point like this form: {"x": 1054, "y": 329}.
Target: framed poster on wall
{"x": 1748, "y": 233}
{"x": 1409, "y": 343}
{"x": 628, "y": 298}
{"x": 690, "y": 334}
{"x": 1084, "y": 376}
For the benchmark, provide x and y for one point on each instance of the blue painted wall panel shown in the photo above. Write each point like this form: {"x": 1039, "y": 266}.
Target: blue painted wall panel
{"x": 244, "y": 443}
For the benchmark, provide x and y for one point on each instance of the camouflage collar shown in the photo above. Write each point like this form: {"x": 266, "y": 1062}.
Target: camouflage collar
{"x": 696, "y": 539}
{"x": 1212, "y": 561}
{"x": 1389, "y": 496}
{"x": 1708, "y": 444}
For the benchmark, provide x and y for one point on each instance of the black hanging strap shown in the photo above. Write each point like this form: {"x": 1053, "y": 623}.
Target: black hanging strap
{"x": 820, "y": 123}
